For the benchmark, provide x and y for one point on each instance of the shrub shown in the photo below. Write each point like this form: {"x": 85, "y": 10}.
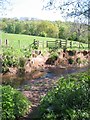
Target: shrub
{"x": 26, "y": 51}
{"x": 53, "y": 57}
{"x": 21, "y": 62}
{"x": 21, "y": 69}
{"x": 14, "y": 103}
{"x": 69, "y": 100}
{"x": 9, "y": 59}
{"x": 5, "y": 69}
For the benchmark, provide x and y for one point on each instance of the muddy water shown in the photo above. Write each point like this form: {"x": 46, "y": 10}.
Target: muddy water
{"x": 53, "y": 72}
{"x": 19, "y": 82}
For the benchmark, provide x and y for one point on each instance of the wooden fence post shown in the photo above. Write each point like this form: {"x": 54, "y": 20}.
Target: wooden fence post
{"x": 46, "y": 43}
{"x": 60, "y": 44}
{"x": 66, "y": 43}
{"x": 6, "y": 42}
{"x": 19, "y": 43}
{"x": 70, "y": 44}
{"x": 34, "y": 42}
{"x": 56, "y": 44}
{"x": 38, "y": 43}
{"x": 43, "y": 44}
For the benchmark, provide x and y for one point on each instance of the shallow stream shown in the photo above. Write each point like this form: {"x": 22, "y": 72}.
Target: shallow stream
{"x": 53, "y": 73}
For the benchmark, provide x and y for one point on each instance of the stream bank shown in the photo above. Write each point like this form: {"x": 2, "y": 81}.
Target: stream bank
{"x": 40, "y": 89}
{"x": 35, "y": 88}
{"x": 34, "y": 85}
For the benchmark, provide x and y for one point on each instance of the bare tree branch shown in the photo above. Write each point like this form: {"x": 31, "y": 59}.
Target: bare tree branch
{"x": 4, "y": 6}
{"x": 70, "y": 7}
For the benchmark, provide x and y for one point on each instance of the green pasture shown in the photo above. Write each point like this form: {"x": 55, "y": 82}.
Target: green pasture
{"x": 19, "y": 41}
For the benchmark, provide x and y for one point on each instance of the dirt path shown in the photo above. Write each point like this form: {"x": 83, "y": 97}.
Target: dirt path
{"x": 38, "y": 89}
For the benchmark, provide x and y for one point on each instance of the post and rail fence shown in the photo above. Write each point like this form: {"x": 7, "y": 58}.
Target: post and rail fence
{"x": 55, "y": 44}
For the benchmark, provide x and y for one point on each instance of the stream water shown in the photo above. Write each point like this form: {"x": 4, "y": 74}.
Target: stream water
{"x": 20, "y": 82}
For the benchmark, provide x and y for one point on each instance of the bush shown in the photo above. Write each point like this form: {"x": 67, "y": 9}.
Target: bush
{"x": 9, "y": 59}
{"x": 53, "y": 57}
{"x": 69, "y": 100}
{"x": 14, "y": 103}
{"x": 21, "y": 62}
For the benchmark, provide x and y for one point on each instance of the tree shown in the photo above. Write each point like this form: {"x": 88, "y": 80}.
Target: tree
{"x": 52, "y": 30}
{"x": 18, "y": 28}
{"x": 26, "y": 28}
{"x": 78, "y": 10}
{"x": 61, "y": 32}
{"x": 3, "y": 26}
{"x": 5, "y": 5}
{"x": 70, "y": 7}
{"x": 10, "y": 28}
{"x": 42, "y": 27}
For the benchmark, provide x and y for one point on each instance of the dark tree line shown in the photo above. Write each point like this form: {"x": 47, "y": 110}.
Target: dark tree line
{"x": 36, "y": 28}
{"x": 56, "y": 29}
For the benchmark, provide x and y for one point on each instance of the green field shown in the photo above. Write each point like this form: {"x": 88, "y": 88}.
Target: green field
{"x": 19, "y": 40}
{"x": 25, "y": 40}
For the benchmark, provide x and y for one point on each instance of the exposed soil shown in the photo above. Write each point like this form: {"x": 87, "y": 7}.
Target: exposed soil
{"x": 40, "y": 62}
{"x": 39, "y": 78}
{"x": 39, "y": 89}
